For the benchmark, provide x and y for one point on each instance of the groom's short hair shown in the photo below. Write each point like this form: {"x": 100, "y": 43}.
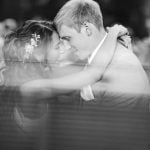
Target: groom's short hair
{"x": 76, "y": 12}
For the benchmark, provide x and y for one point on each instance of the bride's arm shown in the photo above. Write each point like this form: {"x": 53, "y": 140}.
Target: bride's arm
{"x": 107, "y": 50}
{"x": 78, "y": 80}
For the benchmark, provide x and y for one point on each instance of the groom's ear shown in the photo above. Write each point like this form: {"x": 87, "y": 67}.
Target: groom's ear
{"x": 86, "y": 29}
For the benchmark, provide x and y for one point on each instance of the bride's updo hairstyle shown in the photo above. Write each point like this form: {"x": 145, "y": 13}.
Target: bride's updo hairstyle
{"x": 25, "y": 52}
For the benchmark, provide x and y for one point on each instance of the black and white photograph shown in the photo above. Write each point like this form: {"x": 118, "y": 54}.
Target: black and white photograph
{"x": 74, "y": 75}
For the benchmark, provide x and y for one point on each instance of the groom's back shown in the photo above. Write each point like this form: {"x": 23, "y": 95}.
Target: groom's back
{"x": 125, "y": 74}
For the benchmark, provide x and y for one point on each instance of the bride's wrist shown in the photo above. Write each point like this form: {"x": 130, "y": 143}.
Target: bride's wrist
{"x": 113, "y": 32}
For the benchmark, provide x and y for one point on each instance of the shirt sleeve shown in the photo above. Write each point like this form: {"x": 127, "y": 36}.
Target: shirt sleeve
{"x": 87, "y": 93}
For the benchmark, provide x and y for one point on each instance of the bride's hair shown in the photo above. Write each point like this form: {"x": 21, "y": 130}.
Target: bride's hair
{"x": 25, "y": 51}
{"x": 15, "y": 43}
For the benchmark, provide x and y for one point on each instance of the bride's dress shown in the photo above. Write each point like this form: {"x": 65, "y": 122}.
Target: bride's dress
{"x": 29, "y": 114}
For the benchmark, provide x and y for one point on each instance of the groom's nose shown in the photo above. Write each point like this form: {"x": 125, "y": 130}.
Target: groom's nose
{"x": 65, "y": 44}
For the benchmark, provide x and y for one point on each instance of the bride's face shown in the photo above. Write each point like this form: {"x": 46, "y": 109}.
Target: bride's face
{"x": 53, "y": 49}
{"x": 65, "y": 52}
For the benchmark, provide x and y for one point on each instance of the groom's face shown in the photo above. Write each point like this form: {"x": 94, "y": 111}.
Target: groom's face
{"x": 59, "y": 51}
{"x": 79, "y": 41}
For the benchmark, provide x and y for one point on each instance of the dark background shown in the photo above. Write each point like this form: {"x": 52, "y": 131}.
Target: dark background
{"x": 131, "y": 13}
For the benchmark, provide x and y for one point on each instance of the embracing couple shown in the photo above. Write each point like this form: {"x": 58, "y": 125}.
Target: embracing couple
{"x": 75, "y": 53}
{"x": 110, "y": 66}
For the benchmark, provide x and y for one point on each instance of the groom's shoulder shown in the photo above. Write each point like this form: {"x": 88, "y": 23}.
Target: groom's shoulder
{"x": 123, "y": 49}
{"x": 126, "y": 55}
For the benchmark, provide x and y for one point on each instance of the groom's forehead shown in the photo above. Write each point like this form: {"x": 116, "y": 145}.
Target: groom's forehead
{"x": 66, "y": 31}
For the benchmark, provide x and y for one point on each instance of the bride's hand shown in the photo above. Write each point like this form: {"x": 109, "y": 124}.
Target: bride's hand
{"x": 119, "y": 30}
{"x": 122, "y": 33}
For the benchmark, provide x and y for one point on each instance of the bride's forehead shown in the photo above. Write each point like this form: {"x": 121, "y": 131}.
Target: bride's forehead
{"x": 55, "y": 35}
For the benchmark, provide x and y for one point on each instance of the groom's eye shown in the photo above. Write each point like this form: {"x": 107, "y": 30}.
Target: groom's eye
{"x": 67, "y": 38}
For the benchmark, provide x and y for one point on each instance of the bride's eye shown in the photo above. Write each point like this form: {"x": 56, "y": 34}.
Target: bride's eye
{"x": 57, "y": 47}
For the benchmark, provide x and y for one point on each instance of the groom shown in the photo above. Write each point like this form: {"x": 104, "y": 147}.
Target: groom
{"x": 80, "y": 22}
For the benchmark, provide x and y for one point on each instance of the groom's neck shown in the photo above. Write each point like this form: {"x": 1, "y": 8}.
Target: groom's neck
{"x": 97, "y": 39}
